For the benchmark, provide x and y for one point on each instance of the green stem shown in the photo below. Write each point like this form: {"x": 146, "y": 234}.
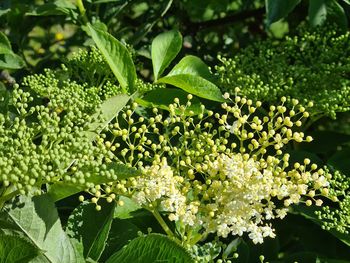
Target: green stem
{"x": 196, "y": 239}
{"x": 82, "y": 11}
{"x": 164, "y": 225}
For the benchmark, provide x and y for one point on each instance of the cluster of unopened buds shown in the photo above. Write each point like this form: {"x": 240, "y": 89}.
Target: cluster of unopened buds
{"x": 223, "y": 173}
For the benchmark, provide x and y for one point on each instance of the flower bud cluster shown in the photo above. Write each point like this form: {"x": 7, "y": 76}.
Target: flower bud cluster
{"x": 338, "y": 219}
{"x": 266, "y": 71}
{"x": 88, "y": 66}
{"x": 63, "y": 95}
{"x": 42, "y": 144}
{"x": 223, "y": 171}
{"x": 85, "y": 80}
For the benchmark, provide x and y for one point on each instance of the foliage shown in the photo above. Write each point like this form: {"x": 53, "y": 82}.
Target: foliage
{"x": 48, "y": 142}
{"x": 298, "y": 67}
{"x": 118, "y": 143}
{"x": 9, "y": 60}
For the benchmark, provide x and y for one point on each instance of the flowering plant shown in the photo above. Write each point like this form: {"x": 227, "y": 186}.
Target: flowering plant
{"x": 98, "y": 165}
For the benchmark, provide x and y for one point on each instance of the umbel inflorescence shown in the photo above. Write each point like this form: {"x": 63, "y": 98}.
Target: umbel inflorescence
{"x": 44, "y": 124}
{"x": 43, "y": 139}
{"x": 223, "y": 173}
{"x": 313, "y": 66}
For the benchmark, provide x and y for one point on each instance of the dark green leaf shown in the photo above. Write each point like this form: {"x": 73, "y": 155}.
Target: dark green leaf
{"x": 317, "y": 12}
{"x": 162, "y": 97}
{"x": 121, "y": 233}
{"x": 62, "y": 190}
{"x": 309, "y": 213}
{"x": 165, "y": 47}
{"x": 14, "y": 249}
{"x": 150, "y": 249}
{"x": 336, "y": 14}
{"x": 117, "y": 57}
{"x": 38, "y": 219}
{"x": 341, "y": 160}
{"x": 195, "y": 85}
{"x": 243, "y": 251}
{"x": 91, "y": 226}
{"x": 278, "y": 9}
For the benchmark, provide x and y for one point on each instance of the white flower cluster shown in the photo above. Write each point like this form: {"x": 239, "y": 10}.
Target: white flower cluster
{"x": 244, "y": 193}
{"x": 243, "y": 198}
{"x": 221, "y": 173}
{"x": 239, "y": 195}
{"x": 159, "y": 187}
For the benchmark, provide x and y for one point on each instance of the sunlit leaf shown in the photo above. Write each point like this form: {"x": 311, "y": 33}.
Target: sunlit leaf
{"x": 165, "y": 47}
{"x": 151, "y": 248}
{"x": 278, "y": 9}
{"x": 117, "y": 57}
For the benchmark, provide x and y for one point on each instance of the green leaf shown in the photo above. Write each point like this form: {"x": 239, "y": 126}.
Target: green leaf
{"x": 91, "y": 226}
{"x": 192, "y": 75}
{"x": 192, "y": 65}
{"x": 336, "y": 14}
{"x": 62, "y": 190}
{"x": 11, "y": 61}
{"x": 278, "y": 9}
{"x": 4, "y": 11}
{"x": 231, "y": 247}
{"x": 195, "y": 85}
{"x": 14, "y": 249}
{"x": 124, "y": 212}
{"x": 117, "y": 57}
{"x": 37, "y": 218}
{"x": 162, "y": 97}
{"x": 108, "y": 110}
{"x": 317, "y": 12}
{"x": 121, "y": 233}
{"x": 341, "y": 160}
{"x": 5, "y": 45}
{"x": 165, "y": 47}
{"x": 151, "y": 248}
